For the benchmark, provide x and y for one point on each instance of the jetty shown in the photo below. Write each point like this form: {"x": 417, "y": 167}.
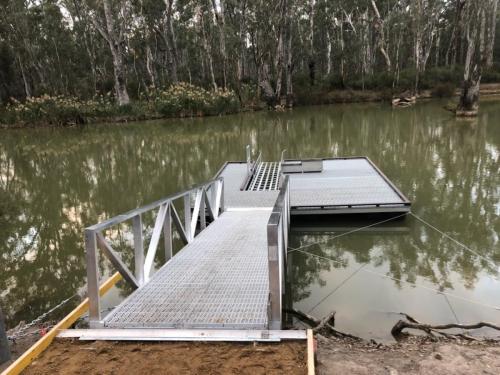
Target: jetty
{"x": 231, "y": 271}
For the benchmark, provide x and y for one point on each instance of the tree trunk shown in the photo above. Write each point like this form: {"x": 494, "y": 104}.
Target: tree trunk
{"x": 242, "y": 46}
{"x": 264, "y": 82}
{"x": 491, "y": 35}
{"x": 207, "y": 48}
{"x": 311, "y": 62}
{"x": 115, "y": 46}
{"x": 170, "y": 41}
{"x": 378, "y": 26}
{"x": 150, "y": 67}
{"x": 328, "y": 52}
{"x": 469, "y": 99}
{"x": 27, "y": 89}
{"x": 280, "y": 49}
{"x": 342, "y": 47}
{"x": 220, "y": 19}
{"x": 4, "y": 343}
{"x": 289, "y": 66}
{"x": 454, "y": 46}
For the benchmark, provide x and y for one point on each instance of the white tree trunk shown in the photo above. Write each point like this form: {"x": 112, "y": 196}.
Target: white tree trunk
{"x": 115, "y": 47}
{"x": 378, "y": 25}
{"x": 220, "y": 18}
{"x": 491, "y": 34}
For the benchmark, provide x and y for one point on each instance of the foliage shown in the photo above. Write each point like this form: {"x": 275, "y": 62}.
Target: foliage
{"x": 58, "y": 47}
{"x": 56, "y": 110}
{"x": 181, "y": 100}
{"x": 186, "y": 100}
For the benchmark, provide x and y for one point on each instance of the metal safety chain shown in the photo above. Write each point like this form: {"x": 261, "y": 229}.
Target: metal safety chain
{"x": 22, "y": 331}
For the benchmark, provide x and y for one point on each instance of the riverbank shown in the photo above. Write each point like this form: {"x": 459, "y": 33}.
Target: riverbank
{"x": 183, "y": 101}
{"x": 177, "y": 101}
{"x": 415, "y": 355}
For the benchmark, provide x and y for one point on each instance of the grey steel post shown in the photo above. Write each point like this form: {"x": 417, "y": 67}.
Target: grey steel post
{"x": 274, "y": 274}
{"x": 187, "y": 216}
{"x": 249, "y": 160}
{"x": 138, "y": 249}
{"x": 203, "y": 210}
{"x": 167, "y": 233}
{"x": 92, "y": 278}
{"x": 4, "y": 343}
{"x": 222, "y": 195}
{"x": 288, "y": 287}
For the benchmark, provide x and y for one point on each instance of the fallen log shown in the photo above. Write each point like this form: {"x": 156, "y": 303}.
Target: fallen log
{"x": 404, "y": 101}
{"x": 431, "y": 330}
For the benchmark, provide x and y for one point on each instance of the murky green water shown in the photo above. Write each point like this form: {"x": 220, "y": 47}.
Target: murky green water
{"x": 53, "y": 183}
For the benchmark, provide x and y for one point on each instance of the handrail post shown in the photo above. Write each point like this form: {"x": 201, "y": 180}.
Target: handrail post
{"x": 92, "y": 279}
{"x": 167, "y": 233}
{"x": 249, "y": 160}
{"x": 187, "y": 216}
{"x": 138, "y": 249}
{"x": 221, "y": 203}
{"x": 274, "y": 276}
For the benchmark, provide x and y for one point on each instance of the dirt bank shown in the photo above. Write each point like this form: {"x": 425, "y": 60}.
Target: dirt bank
{"x": 417, "y": 355}
{"x": 75, "y": 357}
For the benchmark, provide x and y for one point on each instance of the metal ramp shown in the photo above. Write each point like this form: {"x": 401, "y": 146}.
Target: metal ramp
{"x": 220, "y": 280}
{"x": 230, "y": 274}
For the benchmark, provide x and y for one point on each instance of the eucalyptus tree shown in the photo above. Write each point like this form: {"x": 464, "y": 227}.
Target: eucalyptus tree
{"x": 111, "y": 18}
{"x": 476, "y": 54}
{"x": 90, "y": 47}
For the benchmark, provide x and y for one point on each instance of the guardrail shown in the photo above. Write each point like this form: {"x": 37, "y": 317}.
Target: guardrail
{"x": 251, "y": 167}
{"x": 208, "y": 200}
{"x": 277, "y": 242}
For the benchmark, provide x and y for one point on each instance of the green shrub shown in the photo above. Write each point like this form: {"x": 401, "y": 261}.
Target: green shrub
{"x": 186, "y": 100}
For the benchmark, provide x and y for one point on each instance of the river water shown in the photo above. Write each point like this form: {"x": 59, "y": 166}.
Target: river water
{"x": 55, "y": 182}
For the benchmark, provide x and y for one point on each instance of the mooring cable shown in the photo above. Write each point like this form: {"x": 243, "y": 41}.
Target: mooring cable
{"x": 445, "y": 294}
{"x": 406, "y": 282}
{"x": 411, "y": 213}
{"x": 454, "y": 240}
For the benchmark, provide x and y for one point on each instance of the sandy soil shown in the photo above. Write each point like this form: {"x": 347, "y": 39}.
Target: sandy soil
{"x": 417, "y": 355}
{"x": 75, "y": 357}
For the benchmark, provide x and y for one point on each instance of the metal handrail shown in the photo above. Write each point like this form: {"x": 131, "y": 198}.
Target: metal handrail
{"x": 277, "y": 242}
{"x": 251, "y": 169}
{"x": 208, "y": 199}
{"x": 151, "y": 206}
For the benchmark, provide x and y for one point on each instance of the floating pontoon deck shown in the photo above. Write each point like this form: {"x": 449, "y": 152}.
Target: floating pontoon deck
{"x": 230, "y": 274}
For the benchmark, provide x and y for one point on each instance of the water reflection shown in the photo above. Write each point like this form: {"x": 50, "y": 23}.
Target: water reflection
{"x": 53, "y": 183}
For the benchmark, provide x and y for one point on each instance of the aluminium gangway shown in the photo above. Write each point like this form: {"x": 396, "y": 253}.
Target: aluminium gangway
{"x": 230, "y": 273}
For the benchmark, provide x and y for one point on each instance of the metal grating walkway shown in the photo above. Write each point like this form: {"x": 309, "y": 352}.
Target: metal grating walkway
{"x": 266, "y": 177}
{"x": 220, "y": 280}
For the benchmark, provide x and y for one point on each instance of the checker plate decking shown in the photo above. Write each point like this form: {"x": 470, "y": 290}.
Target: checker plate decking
{"x": 343, "y": 182}
{"x": 220, "y": 280}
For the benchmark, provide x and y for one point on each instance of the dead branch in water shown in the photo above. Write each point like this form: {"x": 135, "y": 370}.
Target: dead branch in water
{"x": 412, "y": 323}
{"x": 325, "y": 325}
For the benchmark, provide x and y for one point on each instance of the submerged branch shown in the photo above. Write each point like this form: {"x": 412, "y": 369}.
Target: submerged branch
{"x": 412, "y": 323}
